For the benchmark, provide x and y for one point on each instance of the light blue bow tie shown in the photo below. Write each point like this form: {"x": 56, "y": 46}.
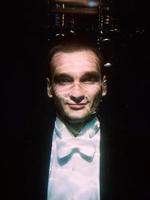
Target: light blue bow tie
{"x": 85, "y": 148}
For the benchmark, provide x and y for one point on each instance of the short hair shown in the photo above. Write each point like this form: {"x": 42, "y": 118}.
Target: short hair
{"x": 73, "y": 43}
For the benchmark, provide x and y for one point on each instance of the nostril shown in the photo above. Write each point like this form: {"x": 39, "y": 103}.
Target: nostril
{"x": 77, "y": 99}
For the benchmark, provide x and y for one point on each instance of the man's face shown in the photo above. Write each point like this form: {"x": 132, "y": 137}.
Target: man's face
{"x": 76, "y": 84}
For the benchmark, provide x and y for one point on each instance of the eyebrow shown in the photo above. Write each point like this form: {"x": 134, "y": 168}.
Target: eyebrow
{"x": 61, "y": 75}
{"x": 93, "y": 74}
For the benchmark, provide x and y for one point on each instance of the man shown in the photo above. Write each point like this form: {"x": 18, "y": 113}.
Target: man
{"x": 77, "y": 84}
{"x": 78, "y": 151}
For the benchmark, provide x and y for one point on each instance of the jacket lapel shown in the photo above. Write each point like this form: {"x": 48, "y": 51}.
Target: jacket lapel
{"x": 46, "y": 152}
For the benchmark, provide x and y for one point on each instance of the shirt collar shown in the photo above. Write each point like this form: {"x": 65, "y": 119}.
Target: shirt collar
{"x": 90, "y": 129}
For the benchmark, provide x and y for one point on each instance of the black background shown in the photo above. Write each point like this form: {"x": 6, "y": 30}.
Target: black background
{"x": 24, "y": 50}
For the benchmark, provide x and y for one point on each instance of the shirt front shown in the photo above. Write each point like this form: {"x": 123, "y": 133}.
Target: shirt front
{"x": 74, "y": 166}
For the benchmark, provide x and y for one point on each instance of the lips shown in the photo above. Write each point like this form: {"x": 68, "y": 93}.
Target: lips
{"x": 77, "y": 106}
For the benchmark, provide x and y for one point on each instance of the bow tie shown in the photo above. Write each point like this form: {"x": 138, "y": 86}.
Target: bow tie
{"x": 85, "y": 148}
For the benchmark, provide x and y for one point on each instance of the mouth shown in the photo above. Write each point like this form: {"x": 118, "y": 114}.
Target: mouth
{"x": 77, "y": 106}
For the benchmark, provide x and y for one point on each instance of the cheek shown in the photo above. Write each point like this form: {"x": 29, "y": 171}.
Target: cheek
{"x": 59, "y": 96}
{"x": 58, "y": 92}
{"x": 94, "y": 94}
{"x": 95, "y": 101}
{"x": 62, "y": 94}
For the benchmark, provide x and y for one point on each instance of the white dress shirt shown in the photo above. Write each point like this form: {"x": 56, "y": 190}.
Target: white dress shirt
{"x": 75, "y": 163}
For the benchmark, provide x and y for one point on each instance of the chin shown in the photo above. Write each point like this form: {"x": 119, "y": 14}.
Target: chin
{"x": 73, "y": 119}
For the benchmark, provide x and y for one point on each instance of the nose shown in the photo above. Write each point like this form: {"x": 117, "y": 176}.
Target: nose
{"x": 77, "y": 99}
{"x": 77, "y": 95}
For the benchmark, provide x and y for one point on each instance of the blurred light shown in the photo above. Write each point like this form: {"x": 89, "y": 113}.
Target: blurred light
{"x": 108, "y": 64}
{"x": 93, "y": 3}
{"x": 59, "y": 34}
{"x": 105, "y": 39}
{"x": 90, "y": 3}
{"x": 72, "y": 31}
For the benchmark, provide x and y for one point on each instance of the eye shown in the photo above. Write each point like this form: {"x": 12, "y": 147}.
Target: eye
{"x": 62, "y": 80}
{"x": 90, "y": 80}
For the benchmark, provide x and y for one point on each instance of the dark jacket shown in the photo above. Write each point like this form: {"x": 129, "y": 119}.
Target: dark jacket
{"x": 117, "y": 162}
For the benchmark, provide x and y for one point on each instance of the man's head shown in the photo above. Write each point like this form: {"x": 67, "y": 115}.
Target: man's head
{"x": 76, "y": 81}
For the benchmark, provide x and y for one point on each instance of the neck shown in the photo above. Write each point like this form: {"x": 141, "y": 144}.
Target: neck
{"x": 75, "y": 127}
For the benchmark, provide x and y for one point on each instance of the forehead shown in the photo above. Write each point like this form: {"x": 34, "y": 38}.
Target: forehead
{"x": 77, "y": 61}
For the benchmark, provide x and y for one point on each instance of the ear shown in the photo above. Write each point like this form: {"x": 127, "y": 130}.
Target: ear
{"x": 104, "y": 86}
{"x": 49, "y": 93}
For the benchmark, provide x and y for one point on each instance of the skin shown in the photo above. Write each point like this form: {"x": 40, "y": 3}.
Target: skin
{"x": 76, "y": 86}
